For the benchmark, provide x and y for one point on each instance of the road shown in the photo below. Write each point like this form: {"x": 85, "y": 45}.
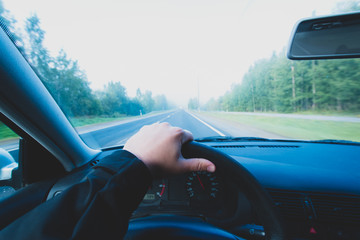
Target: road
{"x": 118, "y": 134}
{"x": 111, "y": 134}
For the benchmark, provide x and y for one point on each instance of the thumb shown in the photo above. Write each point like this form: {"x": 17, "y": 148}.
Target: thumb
{"x": 196, "y": 164}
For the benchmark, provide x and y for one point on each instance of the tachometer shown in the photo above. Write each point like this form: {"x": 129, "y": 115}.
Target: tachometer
{"x": 202, "y": 186}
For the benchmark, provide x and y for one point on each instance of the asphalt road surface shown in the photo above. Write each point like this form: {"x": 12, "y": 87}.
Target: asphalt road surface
{"x": 111, "y": 134}
{"x": 118, "y": 134}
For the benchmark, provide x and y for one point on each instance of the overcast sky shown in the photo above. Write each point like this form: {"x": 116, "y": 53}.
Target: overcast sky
{"x": 168, "y": 47}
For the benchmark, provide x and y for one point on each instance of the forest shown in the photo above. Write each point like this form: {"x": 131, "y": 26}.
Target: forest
{"x": 273, "y": 84}
{"x": 68, "y": 83}
{"x": 277, "y": 84}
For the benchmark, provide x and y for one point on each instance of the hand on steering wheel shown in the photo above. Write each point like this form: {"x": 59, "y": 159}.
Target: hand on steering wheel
{"x": 159, "y": 147}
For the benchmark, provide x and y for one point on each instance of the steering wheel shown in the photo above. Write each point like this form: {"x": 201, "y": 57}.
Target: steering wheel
{"x": 181, "y": 227}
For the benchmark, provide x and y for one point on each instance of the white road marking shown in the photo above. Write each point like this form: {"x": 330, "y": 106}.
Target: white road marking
{"x": 168, "y": 116}
{"x": 99, "y": 126}
{"x": 206, "y": 124}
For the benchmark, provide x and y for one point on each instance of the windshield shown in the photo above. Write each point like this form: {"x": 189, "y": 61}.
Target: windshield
{"x": 215, "y": 68}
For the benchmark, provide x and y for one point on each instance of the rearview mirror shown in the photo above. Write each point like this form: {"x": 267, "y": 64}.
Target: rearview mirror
{"x": 326, "y": 38}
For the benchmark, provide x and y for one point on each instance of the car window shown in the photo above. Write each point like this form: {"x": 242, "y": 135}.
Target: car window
{"x": 9, "y": 158}
{"x": 214, "y": 68}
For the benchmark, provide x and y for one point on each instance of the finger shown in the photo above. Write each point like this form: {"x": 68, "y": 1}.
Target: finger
{"x": 196, "y": 164}
{"x": 187, "y": 136}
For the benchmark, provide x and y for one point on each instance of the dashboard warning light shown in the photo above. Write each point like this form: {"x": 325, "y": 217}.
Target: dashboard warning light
{"x": 312, "y": 230}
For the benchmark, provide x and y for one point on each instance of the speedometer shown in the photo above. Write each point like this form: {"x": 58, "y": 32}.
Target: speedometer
{"x": 202, "y": 186}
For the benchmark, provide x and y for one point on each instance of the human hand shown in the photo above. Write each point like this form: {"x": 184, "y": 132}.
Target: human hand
{"x": 159, "y": 147}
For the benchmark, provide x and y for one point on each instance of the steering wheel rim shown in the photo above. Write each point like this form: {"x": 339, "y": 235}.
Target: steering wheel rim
{"x": 265, "y": 208}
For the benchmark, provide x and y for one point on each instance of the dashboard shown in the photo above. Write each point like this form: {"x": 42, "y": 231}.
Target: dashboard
{"x": 314, "y": 186}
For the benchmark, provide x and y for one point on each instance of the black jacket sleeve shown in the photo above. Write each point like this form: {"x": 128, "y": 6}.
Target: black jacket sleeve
{"x": 97, "y": 208}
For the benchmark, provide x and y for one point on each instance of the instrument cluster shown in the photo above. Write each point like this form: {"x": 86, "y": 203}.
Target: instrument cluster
{"x": 195, "y": 188}
{"x": 200, "y": 193}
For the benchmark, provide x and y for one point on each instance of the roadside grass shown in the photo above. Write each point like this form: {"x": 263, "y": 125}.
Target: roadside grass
{"x": 89, "y": 120}
{"x": 329, "y": 113}
{"x": 295, "y": 128}
{"x": 7, "y": 134}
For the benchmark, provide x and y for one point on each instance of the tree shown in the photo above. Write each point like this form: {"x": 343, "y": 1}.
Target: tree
{"x": 146, "y": 100}
{"x": 160, "y": 103}
{"x": 212, "y": 105}
{"x": 68, "y": 84}
{"x": 38, "y": 54}
{"x": 7, "y": 22}
{"x": 73, "y": 89}
{"x": 347, "y": 6}
{"x": 193, "y": 104}
{"x": 281, "y": 85}
{"x": 62, "y": 76}
{"x": 114, "y": 99}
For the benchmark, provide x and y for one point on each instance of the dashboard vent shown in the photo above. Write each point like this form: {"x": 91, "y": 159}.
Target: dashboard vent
{"x": 290, "y": 204}
{"x": 337, "y": 208}
{"x": 229, "y": 146}
{"x": 278, "y": 146}
{"x": 255, "y": 146}
{"x": 318, "y": 207}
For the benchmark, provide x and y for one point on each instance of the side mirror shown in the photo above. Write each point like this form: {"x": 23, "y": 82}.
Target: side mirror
{"x": 7, "y": 165}
{"x": 329, "y": 37}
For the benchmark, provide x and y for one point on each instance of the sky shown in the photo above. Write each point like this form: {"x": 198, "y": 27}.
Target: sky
{"x": 180, "y": 48}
